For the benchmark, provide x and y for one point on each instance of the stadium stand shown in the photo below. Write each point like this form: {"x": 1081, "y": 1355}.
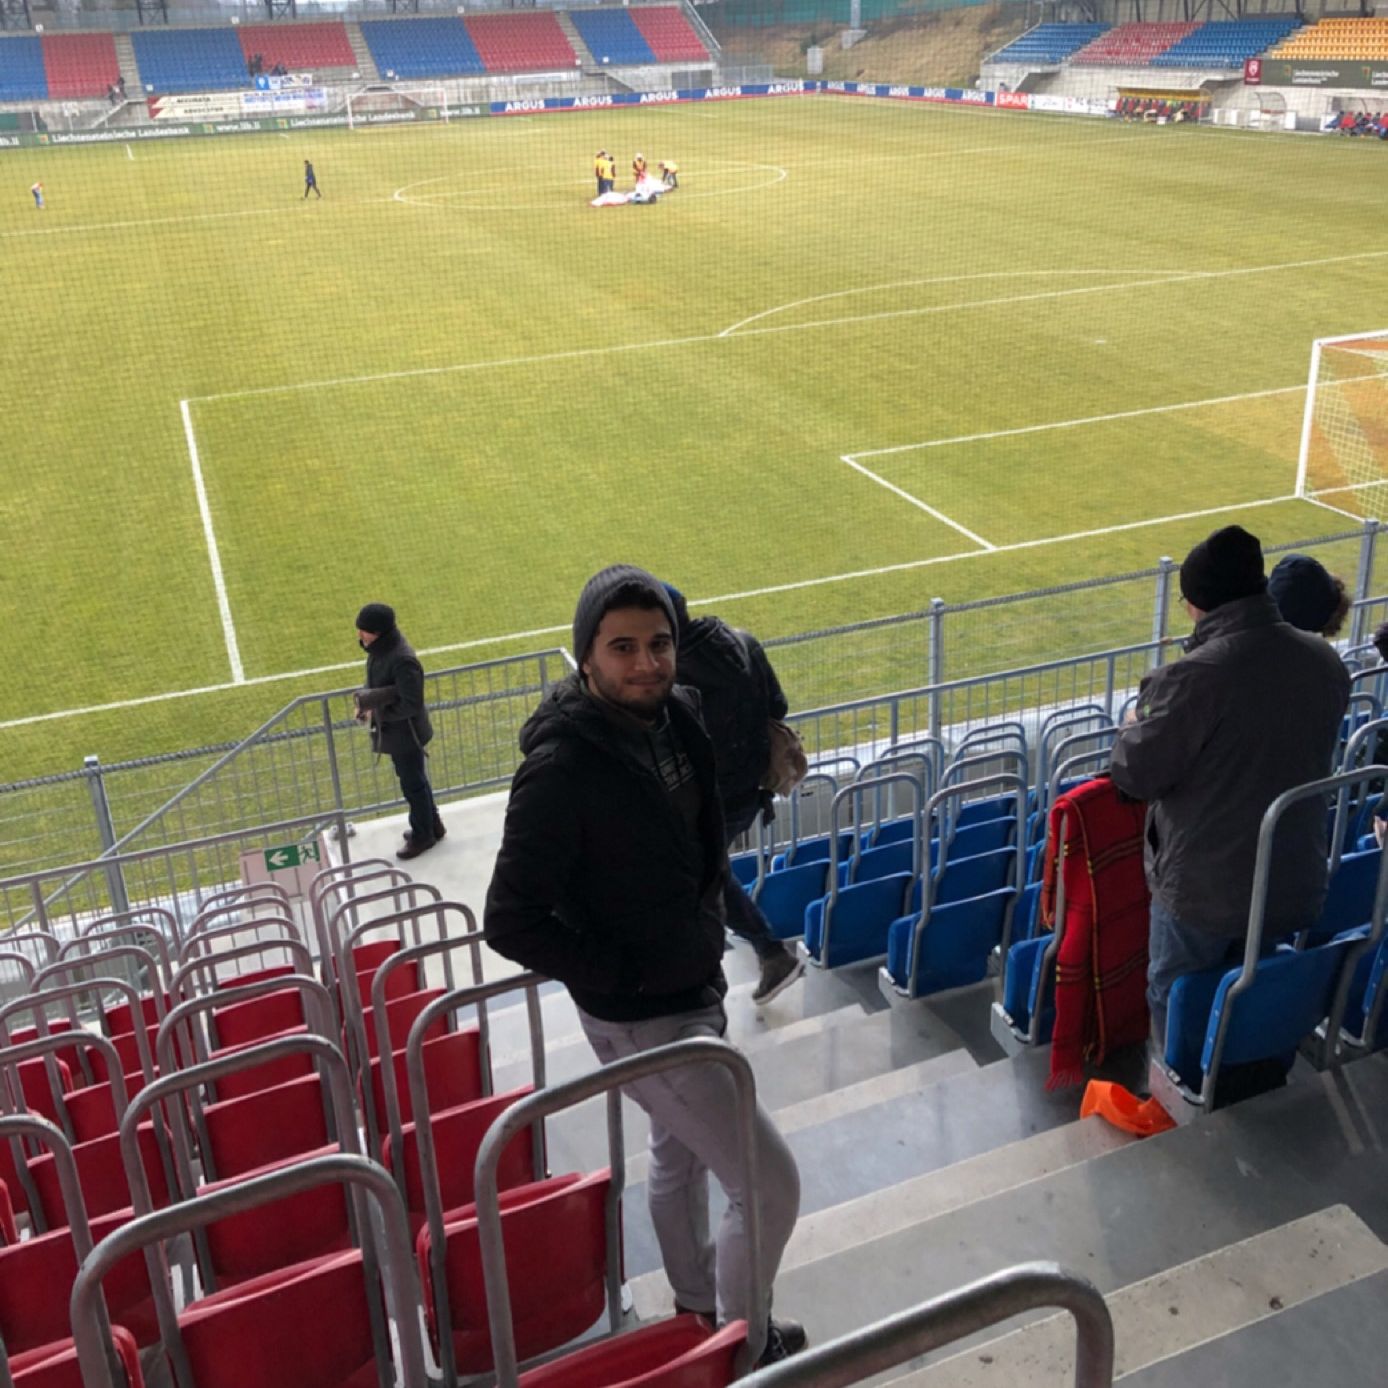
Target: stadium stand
{"x": 422, "y": 47}
{"x": 1049, "y": 43}
{"x": 521, "y": 42}
{"x": 299, "y": 47}
{"x": 669, "y": 34}
{"x": 80, "y": 65}
{"x": 190, "y": 60}
{"x": 1131, "y": 45}
{"x": 22, "y": 71}
{"x": 1227, "y": 43}
{"x": 612, "y": 37}
{"x": 1356, "y": 39}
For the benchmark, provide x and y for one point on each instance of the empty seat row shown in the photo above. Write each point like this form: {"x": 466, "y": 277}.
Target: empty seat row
{"x": 298, "y": 47}
{"x": 1049, "y": 43}
{"x": 190, "y": 60}
{"x": 1131, "y": 45}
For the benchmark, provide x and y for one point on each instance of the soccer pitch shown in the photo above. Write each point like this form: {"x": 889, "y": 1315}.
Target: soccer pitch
{"x": 870, "y": 353}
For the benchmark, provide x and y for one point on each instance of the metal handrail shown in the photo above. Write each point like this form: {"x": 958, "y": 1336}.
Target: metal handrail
{"x": 608, "y": 1080}
{"x": 855, "y": 1357}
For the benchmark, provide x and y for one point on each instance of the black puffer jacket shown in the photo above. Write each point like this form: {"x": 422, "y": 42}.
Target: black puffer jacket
{"x": 598, "y": 882}
{"x": 740, "y": 692}
{"x": 394, "y": 695}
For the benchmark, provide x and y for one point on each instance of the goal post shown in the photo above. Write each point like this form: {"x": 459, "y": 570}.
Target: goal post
{"x": 384, "y": 102}
{"x": 1344, "y": 427}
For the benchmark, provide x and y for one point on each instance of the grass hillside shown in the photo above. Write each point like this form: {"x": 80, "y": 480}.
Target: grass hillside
{"x": 934, "y": 50}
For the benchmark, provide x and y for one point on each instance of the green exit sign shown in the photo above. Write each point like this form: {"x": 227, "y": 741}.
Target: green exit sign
{"x": 291, "y": 855}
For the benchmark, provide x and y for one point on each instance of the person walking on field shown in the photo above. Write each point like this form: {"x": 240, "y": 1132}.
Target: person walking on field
{"x": 610, "y": 879}
{"x": 310, "y": 181}
{"x": 37, "y": 191}
{"x": 740, "y": 695}
{"x": 392, "y": 704}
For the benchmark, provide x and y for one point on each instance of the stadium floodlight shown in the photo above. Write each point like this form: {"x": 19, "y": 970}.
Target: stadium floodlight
{"x": 1344, "y": 430}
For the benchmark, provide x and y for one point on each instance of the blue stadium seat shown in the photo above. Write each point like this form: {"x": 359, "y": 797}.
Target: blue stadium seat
{"x": 422, "y": 47}
{"x": 786, "y": 894}
{"x": 1049, "y": 43}
{"x": 815, "y": 850}
{"x": 858, "y": 920}
{"x": 1291, "y": 994}
{"x": 1227, "y": 43}
{"x": 1368, "y": 990}
{"x": 612, "y": 37}
{"x": 22, "y": 73}
{"x": 190, "y": 60}
{"x": 1349, "y": 901}
{"x": 1023, "y": 979}
{"x": 744, "y": 867}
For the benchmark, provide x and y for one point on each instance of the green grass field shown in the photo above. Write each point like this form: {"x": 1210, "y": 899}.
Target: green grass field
{"x": 453, "y": 385}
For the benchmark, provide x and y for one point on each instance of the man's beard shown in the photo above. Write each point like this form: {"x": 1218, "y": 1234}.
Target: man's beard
{"x": 648, "y": 703}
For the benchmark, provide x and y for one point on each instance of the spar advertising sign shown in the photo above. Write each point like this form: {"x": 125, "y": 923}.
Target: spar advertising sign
{"x": 1305, "y": 72}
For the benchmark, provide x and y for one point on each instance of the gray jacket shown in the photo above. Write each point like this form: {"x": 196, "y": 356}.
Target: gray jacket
{"x": 1253, "y": 709}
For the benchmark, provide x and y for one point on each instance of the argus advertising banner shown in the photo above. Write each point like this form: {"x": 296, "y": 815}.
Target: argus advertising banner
{"x": 537, "y": 105}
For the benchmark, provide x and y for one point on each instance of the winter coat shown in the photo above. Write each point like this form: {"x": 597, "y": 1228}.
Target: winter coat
{"x": 393, "y": 696}
{"x": 1253, "y": 709}
{"x": 740, "y": 693}
{"x": 599, "y": 881}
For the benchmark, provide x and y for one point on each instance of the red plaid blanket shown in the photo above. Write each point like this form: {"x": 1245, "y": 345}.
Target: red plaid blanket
{"x": 1101, "y": 969}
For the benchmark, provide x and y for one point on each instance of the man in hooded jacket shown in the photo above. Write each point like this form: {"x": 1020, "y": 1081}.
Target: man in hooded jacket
{"x": 392, "y": 704}
{"x": 610, "y": 879}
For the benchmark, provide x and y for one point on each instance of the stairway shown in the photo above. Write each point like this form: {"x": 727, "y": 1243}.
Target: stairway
{"x": 125, "y": 57}
{"x": 366, "y": 64}
{"x": 1244, "y": 1249}
{"x": 571, "y": 33}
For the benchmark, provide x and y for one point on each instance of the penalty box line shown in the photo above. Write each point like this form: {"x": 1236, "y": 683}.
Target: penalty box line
{"x": 214, "y": 557}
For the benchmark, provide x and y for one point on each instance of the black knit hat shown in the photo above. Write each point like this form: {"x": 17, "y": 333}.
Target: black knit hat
{"x": 1305, "y": 593}
{"x": 1223, "y": 568}
{"x": 376, "y": 617}
{"x": 601, "y": 593}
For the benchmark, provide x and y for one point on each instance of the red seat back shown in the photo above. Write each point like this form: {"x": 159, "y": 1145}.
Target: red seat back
{"x": 400, "y": 1016}
{"x": 38, "y": 1096}
{"x": 266, "y": 1076}
{"x": 120, "y": 1019}
{"x": 265, "y": 1127}
{"x": 556, "y": 1260}
{"x": 101, "y": 1176}
{"x": 458, "y": 1133}
{"x": 309, "y": 1330}
{"x": 257, "y": 1019}
{"x": 452, "y": 1069}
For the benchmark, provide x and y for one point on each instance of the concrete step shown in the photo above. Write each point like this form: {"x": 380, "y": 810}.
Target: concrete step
{"x": 1159, "y": 1320}
{"x": 1141, "y": 1210}
{"x": 366, "y": 64}
{"x": 1336, "y": 1337}
{"x": 829, "y": 1232}
{"x": 801, "y": 1062}
{"x": 574, "y": 37}
{"x": 125, "y": 61}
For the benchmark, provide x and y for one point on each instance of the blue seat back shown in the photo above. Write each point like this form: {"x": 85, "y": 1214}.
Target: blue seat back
{"x": 958, "y": 939}
{"x": 973, "y": 876}
{"x": 1349, "y": 899}
{"x": 859, "y": 920}
{"x": 1021, "y": 986}
{"x": 1292, "y": 993}
{"x": 994, "y": 807}
{"x": 784, "y": 896}
{"x": 744, "y": 867}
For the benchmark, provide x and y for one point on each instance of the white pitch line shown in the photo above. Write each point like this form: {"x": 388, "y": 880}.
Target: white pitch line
{"x": 578, "y": 353}
{"x": 189, "y": 217}
{"x": 1326, "y": 506}
{"x": 827, "y": 580}
{"x": 938, "y": 279}
{"x": 916, "y": 501}
{"x": 238, "y": 672}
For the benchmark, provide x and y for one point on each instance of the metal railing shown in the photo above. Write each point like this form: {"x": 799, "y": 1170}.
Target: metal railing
{"x": 854, "y": 1357}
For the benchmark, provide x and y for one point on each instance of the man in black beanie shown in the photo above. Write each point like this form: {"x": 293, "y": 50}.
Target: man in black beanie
{"x": 610, "y": 879}
{"x": 392, "y": 703}
{"x": 1252, "y": 710}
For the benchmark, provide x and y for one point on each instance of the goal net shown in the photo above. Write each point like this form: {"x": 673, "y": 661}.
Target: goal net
{"x": 385, "y": 105}
{"x": 1344, "y": 432}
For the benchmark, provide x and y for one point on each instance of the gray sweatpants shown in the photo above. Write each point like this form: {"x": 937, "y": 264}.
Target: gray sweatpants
{"x": 693, "y": 1132}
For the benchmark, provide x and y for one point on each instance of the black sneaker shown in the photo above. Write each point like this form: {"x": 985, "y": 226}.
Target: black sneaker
{"x": 783, "y": 1339}
{"x": 778, "y": 972}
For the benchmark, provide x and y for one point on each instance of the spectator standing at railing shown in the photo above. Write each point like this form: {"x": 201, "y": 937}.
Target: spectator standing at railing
{"x": 610, "y": 879}
{"x": 392, "y": 704}
{"x": 740, "y": 695}
{"x": 1253, "y": 709}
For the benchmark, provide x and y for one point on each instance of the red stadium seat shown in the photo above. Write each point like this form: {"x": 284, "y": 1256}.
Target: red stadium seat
{"x": 79, "y": 65}
{"x": 55, "y": 1366}
{"x": 683, "y": 1352}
